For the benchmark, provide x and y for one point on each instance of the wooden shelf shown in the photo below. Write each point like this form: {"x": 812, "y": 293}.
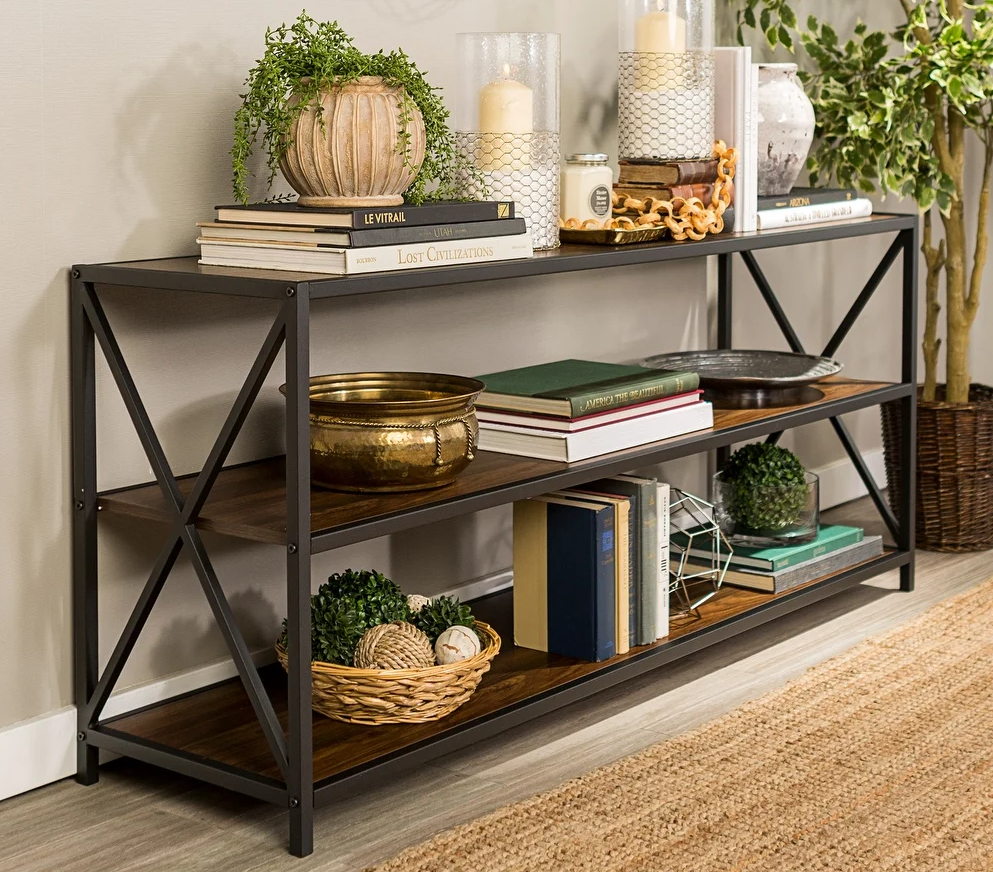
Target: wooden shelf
{"x": 249, "y": 501}
{"x": 218, "y": 723}
{"x": 186, "y": 274}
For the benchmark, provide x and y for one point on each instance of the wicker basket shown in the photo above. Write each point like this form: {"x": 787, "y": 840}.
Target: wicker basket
{"x": 398, "y": 696}
{"x": 954, "y": 471}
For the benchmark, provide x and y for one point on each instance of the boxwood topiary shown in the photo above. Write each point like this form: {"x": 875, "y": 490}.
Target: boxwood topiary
{"x": 767, "y": 487}
{"x": 347, "y": 605}
{"x": 440, "y": 614}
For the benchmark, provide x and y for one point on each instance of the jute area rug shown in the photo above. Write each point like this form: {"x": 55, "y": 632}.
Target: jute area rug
{"x": 881, "y": 759}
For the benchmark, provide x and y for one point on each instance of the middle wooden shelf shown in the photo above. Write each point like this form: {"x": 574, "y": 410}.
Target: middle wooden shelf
{"x": 249, "y": 501}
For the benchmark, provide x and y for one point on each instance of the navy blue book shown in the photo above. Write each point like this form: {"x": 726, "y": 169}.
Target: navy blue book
{"x": 564, "y": 577}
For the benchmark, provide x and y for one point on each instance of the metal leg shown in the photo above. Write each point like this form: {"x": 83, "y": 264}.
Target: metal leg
{"x": 300, "y": 779}
{"x": 772, "y": 302}
{"x": 907, "y": 540}
{"x": 725, "y": 323}
{"x": 84, "y": 528}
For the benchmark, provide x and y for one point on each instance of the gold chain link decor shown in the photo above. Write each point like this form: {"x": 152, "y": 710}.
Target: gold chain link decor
{"x": 684, "y": 218}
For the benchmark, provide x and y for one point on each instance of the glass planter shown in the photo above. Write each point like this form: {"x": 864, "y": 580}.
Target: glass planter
{"x": 666, "y": 80}
{"x": 768, "y": 517}
{"x": 507, "y": 122}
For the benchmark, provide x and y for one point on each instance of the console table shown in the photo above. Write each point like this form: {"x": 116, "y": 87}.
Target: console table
{"x": 256, "y": 734}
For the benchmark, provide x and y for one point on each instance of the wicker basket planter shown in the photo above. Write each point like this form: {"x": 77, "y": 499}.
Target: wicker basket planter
{"x": 954, "y": 471}
{"x": 398, "y": 696}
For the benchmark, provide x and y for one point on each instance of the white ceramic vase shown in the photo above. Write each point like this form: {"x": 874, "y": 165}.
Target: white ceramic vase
{"x": 786, "y": 128}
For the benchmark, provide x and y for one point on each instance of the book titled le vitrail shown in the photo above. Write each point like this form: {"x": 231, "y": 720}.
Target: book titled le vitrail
{"x": 365, "y": 219}
{"x": 575, "y": 388}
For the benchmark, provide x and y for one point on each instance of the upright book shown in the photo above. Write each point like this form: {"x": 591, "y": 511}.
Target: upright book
{"x": 359, "y": 219}
{"x": 645, "y": 568}
{"x": 575, "y": 388}
{"x": 625, "y": 560}
{"x": 564, "y": 577}
{"x": 736, "y": 123}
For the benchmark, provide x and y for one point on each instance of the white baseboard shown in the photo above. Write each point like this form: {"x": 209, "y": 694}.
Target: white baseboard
{"x": 840, "y": 483}
{"x": 42, "y": 750}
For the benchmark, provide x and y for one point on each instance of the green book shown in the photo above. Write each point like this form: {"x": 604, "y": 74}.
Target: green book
{"x": 577, "y": 388}
{"x": 832, "y": 538}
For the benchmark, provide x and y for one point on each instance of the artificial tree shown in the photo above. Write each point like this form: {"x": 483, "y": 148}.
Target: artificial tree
{"x": 893, "y": 112}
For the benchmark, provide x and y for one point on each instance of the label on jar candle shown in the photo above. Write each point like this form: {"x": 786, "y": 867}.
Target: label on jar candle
{"x": 600, "y": 202}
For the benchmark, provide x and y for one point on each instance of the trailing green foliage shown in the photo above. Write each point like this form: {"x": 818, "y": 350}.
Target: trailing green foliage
{"x": 767, "y": 487}
{"x": 347, "y": 605}
{"x": 893, "y": 110}
{"x": 309, "y": 56}
{"x": 440, "y": 614}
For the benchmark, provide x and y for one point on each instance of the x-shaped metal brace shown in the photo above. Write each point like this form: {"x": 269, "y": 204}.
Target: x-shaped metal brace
{"x": 765, "y": 289}
{"x": 183, "y": 532}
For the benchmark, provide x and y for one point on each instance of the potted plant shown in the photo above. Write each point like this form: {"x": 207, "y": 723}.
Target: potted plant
{"x": 895, "y": 112}
{"x": 345, "y": 128}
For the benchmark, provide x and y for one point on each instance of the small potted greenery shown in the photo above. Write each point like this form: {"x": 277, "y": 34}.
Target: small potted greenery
{"x": 764, "y": 496}
{"x": 380, "y": 657}
{"x": 345, "y": 128}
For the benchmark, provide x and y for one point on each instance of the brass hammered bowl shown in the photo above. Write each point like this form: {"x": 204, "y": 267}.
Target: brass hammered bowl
{"x": 381, "y": 432}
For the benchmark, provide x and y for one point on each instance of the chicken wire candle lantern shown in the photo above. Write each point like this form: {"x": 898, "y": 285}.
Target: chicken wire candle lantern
{"x": 666, "y": 80}
{"x": 507, "y": 122}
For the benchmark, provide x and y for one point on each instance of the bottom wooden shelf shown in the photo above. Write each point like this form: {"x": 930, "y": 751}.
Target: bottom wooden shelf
{"x": 217, "y": 723}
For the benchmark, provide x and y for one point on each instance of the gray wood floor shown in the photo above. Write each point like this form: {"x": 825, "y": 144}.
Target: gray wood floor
{"x": 138, "y": 818}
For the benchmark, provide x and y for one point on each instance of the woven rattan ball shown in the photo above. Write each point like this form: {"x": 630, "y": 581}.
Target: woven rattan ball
{"x": 394, "y": 646}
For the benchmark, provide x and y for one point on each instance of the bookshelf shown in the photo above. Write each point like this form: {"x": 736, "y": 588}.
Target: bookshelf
{"x": 256, "y": 734}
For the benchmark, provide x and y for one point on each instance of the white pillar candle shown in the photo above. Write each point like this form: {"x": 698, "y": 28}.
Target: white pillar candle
{"x": 659, "y": 33}
{"x": 506, "y": 109}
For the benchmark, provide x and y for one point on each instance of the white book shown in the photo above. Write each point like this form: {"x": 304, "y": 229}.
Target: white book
{"x": 733, "y": 122}
{"x": 751, "y": 149}
{"x": 777, "y": 219}
{"x": 572, "y": 447}
{"x": 355, "y": 261}
{"x": 662, "y": 613}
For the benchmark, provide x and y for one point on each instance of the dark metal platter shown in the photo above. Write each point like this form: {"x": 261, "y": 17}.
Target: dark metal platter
{"x": 746, "y": 379}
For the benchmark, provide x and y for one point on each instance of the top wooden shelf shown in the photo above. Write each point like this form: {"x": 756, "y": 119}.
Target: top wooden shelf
{"x": 185, "y": 274}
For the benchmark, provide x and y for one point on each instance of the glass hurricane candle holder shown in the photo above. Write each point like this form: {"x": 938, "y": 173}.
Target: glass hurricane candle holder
{"x": 666, "y": 80}
{"x": 770, "y": 516}
{"x": 507, "y": 123}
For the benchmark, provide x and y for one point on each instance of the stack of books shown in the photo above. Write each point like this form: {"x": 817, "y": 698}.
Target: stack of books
{"x": 286, "y": 236}
{"x": 777, "y": 570}
{"x": 573, "y": 410}
{"x": 670, "y": 180}
{"x": 803, "y": 206}
{"x": 591, "y": 574}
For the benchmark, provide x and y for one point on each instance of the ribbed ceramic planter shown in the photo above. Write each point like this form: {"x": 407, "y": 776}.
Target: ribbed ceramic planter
{"x": 358, "y": 157}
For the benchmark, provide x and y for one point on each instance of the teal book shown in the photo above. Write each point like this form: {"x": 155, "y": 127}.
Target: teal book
{"x": 830, "y": 538}
{"x": 576, "y": 388}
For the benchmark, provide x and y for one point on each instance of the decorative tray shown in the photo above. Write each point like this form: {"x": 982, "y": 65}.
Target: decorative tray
{"x": 613, "y": 237}
{"x": 745, "y": 379}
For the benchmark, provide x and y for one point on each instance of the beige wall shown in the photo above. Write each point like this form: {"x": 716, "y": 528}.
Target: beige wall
{"x": 115, "y": 138}
{"x": 114, "y": 134}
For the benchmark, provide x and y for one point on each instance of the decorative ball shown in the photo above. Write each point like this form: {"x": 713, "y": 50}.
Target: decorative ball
{"x": 417, "y": 602}
{"x": 394, "y": 646}
{"x": 455, "y": 644}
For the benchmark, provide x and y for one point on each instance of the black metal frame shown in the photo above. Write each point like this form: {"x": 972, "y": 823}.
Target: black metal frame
{"x": 293, "y": 749}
